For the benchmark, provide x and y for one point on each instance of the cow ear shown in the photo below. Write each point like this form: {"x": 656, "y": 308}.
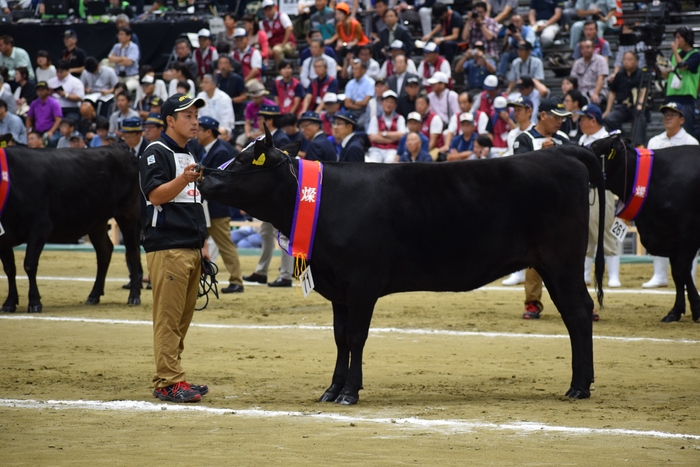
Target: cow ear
{"x": 268, "y": 136}
{"x": 259, "y": 153}
{"x": 292, "y": 149}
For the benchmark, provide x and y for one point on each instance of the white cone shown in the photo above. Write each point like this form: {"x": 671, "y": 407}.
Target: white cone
{"x": 613, "y": 265}
{"x": 660, "y": 277}
{"x": 587, "y": 268}
{"x": 518, "y": 277}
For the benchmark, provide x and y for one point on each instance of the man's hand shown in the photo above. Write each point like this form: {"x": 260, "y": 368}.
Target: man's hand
{"x": 605, "y": 114}
{"x": 547, "y": 143}
{"x": 674, "y": 46}
{"x": 595, "y": 98}
{"x": 61, "y": 93}
{"x": 504, "y": 115}
{"x": 189, "y": 174}
{"x": 205, "y": 251}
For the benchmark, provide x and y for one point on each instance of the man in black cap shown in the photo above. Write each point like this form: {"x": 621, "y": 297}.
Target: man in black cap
{"x": 74, "y": 55}
{"x": 215, "y": 153}
{"x": 407, "y": 102}
{"x": 270, "y": 114}
{"x": 175, "y": 243}
{"x": 344, "y": 126}
{"x": 525, "y": 65}
{"x": 320, "y": 148}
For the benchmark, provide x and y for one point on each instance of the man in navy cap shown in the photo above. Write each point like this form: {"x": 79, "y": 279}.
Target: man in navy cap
{"x": 271, "y": 115}
{"x": 320, "y": 149}
{"x": 152, "y": 126}
{"x": 74, "y": 55}
{"x": 344, "y": 126}
{"x": 216, "y": 152}
{"x": 131, "y": 131}
{"x": 522, "y": 116}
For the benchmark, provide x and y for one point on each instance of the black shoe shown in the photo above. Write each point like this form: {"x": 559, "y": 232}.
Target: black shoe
{"x": 259, "y": 278}
{"x": 148, "y": 286}
{"x": 232, "y": 288}
{"x": 279, "y": 282}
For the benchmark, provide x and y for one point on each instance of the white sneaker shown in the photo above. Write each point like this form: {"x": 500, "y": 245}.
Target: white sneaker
{"x": 613, "y": 264}
{"x": 518, "y": 277}
{"x": 655, "y": 282}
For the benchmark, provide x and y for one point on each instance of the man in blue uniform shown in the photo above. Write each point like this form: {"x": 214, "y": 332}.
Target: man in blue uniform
{"x": 344, "y": 126}
{"x": 320, "y": 149}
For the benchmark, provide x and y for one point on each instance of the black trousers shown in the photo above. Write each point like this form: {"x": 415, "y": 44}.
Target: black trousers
{"x": 620, "y": 114}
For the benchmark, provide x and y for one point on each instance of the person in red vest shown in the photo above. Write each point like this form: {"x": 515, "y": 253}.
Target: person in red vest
{"x": 319, "y": 86}
{"x": 431, "y": 63}
{"x": 249, "y": 58}
{"x": 287, "y": 91}
{"x": 279, "y": 30}
{"x": 206, "y": 54}
{"x": 385, "y": 132}
{"x": 492, "y": 89}
{"x": 432, "y": 124}
{"x": 501, "y": 123}
{"x": 331, "y": 105}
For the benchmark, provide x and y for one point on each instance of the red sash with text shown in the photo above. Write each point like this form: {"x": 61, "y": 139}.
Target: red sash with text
{"x": 5, "y": 181}
{"x": 640, "y": 189}
{"x": 308, "y": 201}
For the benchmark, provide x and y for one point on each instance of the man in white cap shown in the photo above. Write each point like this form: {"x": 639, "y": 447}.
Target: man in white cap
{"x": 331, "y": 105}
{"x": 249, "y": 57}
{"x": 414, "y": 122}
{"x": 492, "y": 89}
{"x": 205, "y": 54}
{"x": 462, "y": 147}
{"x": 432, "y": 62}
{"x": 675, "y": 135}
{"x": 466, "y": 105}
{"x": 501, "y": 123}
{"x": 443, "y": 101}
{"x": 279, "y": 30}
{"x": 388, "y": 68}
{"x": 308, "y": 67}
{"x": 385, "y": 132}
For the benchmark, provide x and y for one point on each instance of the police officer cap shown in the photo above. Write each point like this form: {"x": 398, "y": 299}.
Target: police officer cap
{"x": 310, "y": 116}
{"x": 210, "y": 124}
{"x": 154, "y": 119}
{"x": 131, "y": 125}
{"x": 347, "y": 116}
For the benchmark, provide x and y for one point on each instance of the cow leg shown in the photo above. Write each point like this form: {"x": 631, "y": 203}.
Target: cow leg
{"x": 681, "y": 266}
{"x": 130, "y": 232}
{"x": 8, "y": 264}
{"x": 576, "y": 308}
{"x": 340, "y": 322}
{"x": 35, "y": 245}
{"x": 103, "y": 249}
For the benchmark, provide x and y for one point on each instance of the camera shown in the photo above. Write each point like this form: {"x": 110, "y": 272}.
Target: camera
{"x": 652, "y": 34}
{"x": 475, "y": 15}
{"x": 512, "y": 28}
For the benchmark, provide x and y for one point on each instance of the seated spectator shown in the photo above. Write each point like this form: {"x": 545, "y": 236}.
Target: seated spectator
{"x": 249, "y": 57}
{"x": 257, "y": 38}
{"x": 256, "y": 93}
{"x": 398, "y": 78}
{"x": 454, "y": 128}
{"x": 376, "y": 22}
{"x": 12, "y": 124}
{"x": 591, "y": 71}
{"x": 124, "y": 110}
{"x": 448, "y": 32}
{"x": 344, "y": 127}
{"x": 476, "y": 66}
{"x": 160, "y": 89}
{"x": 287, "y": 91}
{"x": 289, "y": 124}
{"x": 308, "y": 68}
{"x": 388, "y": 68}
{"x": 492, "y": 89}
{"x": 626, "y": 99}
{"x": 271, "y": 116}
{"x": 279, "y": 30}
{"x": 331, "y": 106}
{"x": 143, "y": 100}
{"x": 532, "y": 89}
{"x": 97, "y": 78}
{"x": 501, "y": 10}
{"x": 374, "y": 107}
{"x": 573, "y": 102}
{"x": 462, "y": 147}
{"x": 364, "y": 54}
{"x": 569, "y": 83}
{"x": 153, "y": 125}
{"x": 25, "y": 92}
{"x": 598, "y": 11}
{"x": 35, "y": 140}
{"x": 348, "y": 32}
{"x": 67, "y": 89}
{"x": 101, "y": 130}
{"x": 432, "y": 62}
{"x": 393, "y": 32}
{"x": 407, "y": 101}
{"x": 45, "y": 113}
{"x": 358, "y": 92}
{"x": 88, "y": 119}
{"x": 13, "y": 57}
{"x": 76, "y": 141}
{"x": 483, "y": 148}
{"x": 319, "y": 148}
{"x": 74, "y": 55}
{"x": 385, "y": 131}
{"x": 218, "y": 106}
{"x": 305, "y": 53}
{"x": 177, "y": 73}
{"x": 183, "y": 55}
{"x": 522, "y": 115}
{"x": 443, "y": 101}
{"x": 414, "y": 151}
{"x": 67, "y": 129}
{"x": 205, "y": 55}
{"x": 482, "y": 28}
{"x": 319, "y": 86}
{"x": 44, "y": 69}
{"x": 525, "y": 65}
{"x": 414, "y": 122}
{"x": 600, "y": 45}
{"x": 432, "y": 124}
{"x": 501, "y": 123}
{"x": 226, "y": 36}
{"x": 545, "y": 16}
{"x": 323, "y": 20}
{"x": 638, "y": 48}
{"x": 516, "y": 34}
{"x": 125, "y": 55}
{"x": 183, "y": 87}
{"x": 232, "y": 84}
{"x": 123, "y": 21}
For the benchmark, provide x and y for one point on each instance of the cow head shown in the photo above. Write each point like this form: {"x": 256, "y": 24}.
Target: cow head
{"x": 610, "y": 150}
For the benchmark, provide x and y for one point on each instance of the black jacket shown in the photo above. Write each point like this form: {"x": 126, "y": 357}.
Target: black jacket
{"x": 320, "y": 149}
{"x": 401, "y": 34}
{"x": 392, "y": 82}
{"x": 219, "y": 154}
{"x": 280, "y": 139}
{"x": 353, "y": 151}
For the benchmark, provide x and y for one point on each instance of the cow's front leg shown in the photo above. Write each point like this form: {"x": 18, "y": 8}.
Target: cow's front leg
{"x": 130, "y": 231}
{"x": 103, "y": 249}
{"x": 35, "y": 245}
{"x": 340, "y": 321}
{"x": 680, "y": 269}
{"x": 8, "y": 264}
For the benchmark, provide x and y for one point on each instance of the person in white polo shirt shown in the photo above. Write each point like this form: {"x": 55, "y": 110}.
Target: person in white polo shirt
{"x": 385, "y": 132}
{"x": 675, "y": 135}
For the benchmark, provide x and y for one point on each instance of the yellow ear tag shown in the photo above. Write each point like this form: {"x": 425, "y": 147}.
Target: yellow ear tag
{"x": 260, "y": 160}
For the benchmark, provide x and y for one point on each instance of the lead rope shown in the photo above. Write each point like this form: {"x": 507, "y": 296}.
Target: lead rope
{"x": 209, "y": 270}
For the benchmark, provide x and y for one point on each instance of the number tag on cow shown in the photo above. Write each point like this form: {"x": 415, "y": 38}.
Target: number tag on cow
{"x": 619, "y": 229}
{"x": 307, "y": 281}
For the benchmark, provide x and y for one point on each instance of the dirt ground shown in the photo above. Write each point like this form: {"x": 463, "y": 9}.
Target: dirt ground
{"x": 487, "y": 393}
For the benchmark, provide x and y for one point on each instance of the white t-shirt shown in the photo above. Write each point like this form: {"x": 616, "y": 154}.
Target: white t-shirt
{"x": 71, "y": 85}
{"x": 455, "y": 128}
{"x": 436, "y": 125}
{"x": 679, "y": 139}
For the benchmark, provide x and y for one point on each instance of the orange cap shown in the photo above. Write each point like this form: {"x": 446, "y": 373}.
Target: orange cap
{"x": 343, "y": 7}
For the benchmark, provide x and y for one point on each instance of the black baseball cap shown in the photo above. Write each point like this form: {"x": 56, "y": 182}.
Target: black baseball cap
{"x": 178, "y": 103}
{"x": 554, "y": 106}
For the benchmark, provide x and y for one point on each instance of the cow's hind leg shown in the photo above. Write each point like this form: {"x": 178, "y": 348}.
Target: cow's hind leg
{"x": 576, "y": 307}
{"x": 130, "y": 232}
{"x": 340, "y": 323}
{"x": 681, "y": 267}
{"x": 35, "y": 245}
{"x": 103, "y": 249}
{"x": 8, "y": 264}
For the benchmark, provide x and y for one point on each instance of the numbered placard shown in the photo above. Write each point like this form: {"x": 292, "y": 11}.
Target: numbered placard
{"x": 619, "y": 229}
{"x": 307, "y": 281}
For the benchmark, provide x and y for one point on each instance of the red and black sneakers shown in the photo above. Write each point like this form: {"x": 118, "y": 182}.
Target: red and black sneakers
{"x": 181, "y": 392}
{"x": 532, "y": 310}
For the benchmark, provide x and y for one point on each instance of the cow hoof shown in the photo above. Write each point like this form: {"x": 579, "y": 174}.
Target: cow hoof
{"x": 328, "y": 396}
{"x": 8, "y": 308}
{"x": 671, "y": 317}
{"x": 577, "y": 394}
{"x": 34, "y": 308}
{"x": 346, "y": 399}
{"x": 134, "y": 301}
{"x": 92, "y": 300}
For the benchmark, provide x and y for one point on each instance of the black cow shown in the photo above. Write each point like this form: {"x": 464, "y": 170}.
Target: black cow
{"x": 669, "y": 221}
{"x": 376, "y": 234}
{"x": 60, "y": 195}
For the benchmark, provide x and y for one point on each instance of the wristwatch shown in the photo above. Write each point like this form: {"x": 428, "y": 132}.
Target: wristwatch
{"x": 384, "y": 133}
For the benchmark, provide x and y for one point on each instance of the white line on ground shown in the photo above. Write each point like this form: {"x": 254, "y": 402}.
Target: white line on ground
{"x": 429, "y": 332}
{"x": 487, "y": 288}
{"x": 411, "y": 422}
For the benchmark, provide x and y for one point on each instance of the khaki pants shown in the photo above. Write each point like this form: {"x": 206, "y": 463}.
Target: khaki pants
{"x": 269, "y": 237}
{"x": 220, "y": 231}
{"x": 284, "y": 50}
{"x": 533, "y": 286}
{"x": 175, "y": 280}
{"x": 610, "y": 243}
